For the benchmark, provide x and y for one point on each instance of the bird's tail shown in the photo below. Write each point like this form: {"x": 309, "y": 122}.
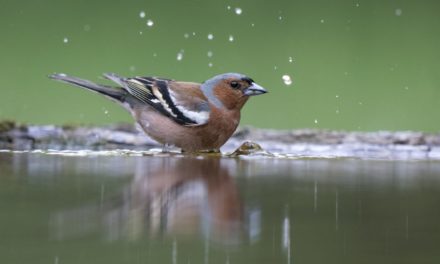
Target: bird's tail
{"x": 118, "y": 95}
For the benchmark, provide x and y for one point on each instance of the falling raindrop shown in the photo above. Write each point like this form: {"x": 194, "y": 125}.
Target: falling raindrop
{"x": 150, "y": 23}
{"x": 210, "y": 36}
{"x": 322, "y": 21}
{"x": 210, "y": 53}
{"x": 140, "y": 32}
{"x": 287, "y": 80}
{"x": 65, "y": 40}
{"x": 316, "y": 121}
{"x": 290, "y": 59}
{"x": 142, "y": 14}
{"x": 210, "y": 65}
{"x": 280, "y": 18}
{"x": 228, "y": 7}
{"x": 357, "y": 4}
{"x": 180, "y": 55}
{"x": 238, "y": 11}
{"x": 231, "y": 38}
{"x": 186, "y": 35}
{"x": 337, "y": 96}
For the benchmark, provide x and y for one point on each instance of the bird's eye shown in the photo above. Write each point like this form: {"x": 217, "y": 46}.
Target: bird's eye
{"x": 235, "y": 85}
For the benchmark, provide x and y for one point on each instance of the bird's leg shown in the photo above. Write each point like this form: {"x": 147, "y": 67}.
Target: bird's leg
{"x": 166, "y": 148}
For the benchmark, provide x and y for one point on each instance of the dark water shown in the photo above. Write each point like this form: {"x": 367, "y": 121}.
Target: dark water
{"x": 61, "y": 209}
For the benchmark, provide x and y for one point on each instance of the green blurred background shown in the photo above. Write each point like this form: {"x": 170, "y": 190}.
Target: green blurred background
{"x": 354, "y": 65}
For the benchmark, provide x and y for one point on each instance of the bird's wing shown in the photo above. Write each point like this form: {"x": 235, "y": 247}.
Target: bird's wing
{"x": 181, "y": 101}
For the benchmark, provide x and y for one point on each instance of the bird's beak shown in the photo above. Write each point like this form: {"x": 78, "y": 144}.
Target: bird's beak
{"x": 254, "y": 89}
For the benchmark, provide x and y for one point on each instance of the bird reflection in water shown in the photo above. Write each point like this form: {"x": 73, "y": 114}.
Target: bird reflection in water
{"x": 167, "y": 196}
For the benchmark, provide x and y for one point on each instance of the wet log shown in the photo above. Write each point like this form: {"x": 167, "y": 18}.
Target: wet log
{"x": 277, "y": 143}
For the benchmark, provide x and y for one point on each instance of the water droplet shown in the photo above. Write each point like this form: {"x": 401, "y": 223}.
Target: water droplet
{"x": 210, "y": 53}
{"x": 231, "y": 38}
{"x": 290, "y": 59}
{"x": 398, "y": 12}
{"x": 106, "y": 112}
{"x": 228, "y": 7}
{"x": 180, "y": 55}
{"x": 275, "y": 67}
{"x": 150, "y": 23}
{"x": 238, "y": 11}
{"x": 357, "y": 4}
{"x": 316, "y": 121}
{"x": 194, "y": 33}
{"x": 140, "y": 32}
{"x": 337, "y": 96}
{"x": 252, "y": 25}
{"x": 142, "y": 14}
{"x": 280, "y": 18}
{"x": 210, "y": 65}
{"x": 322, "y": 21}
{"x": 186, "y": 35}
{"x": 65, "y": 40}
{"x": 286, "y": 79}
{"x": 210, "y": 36}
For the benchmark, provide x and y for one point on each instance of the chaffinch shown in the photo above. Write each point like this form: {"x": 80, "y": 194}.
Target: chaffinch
{"x": 190, "y": 116}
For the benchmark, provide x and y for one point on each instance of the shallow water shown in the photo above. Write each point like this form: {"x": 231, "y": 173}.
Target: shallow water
{"x": 125, "y": 209}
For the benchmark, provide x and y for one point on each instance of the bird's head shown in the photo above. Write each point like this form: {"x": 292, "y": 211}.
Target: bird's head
{"x": 230, "y": 90}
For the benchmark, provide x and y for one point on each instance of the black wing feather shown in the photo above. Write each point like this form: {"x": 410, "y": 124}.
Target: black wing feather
{"x": 142, "y": 89}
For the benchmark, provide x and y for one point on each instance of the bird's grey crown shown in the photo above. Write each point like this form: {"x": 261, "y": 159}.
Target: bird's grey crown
{"x": 208, "y": 86}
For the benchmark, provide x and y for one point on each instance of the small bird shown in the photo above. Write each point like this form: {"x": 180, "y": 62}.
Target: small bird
{"x": 191, "y": 116}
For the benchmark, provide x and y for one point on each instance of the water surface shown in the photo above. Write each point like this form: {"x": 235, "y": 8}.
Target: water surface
{"x": 63, "y": 209}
